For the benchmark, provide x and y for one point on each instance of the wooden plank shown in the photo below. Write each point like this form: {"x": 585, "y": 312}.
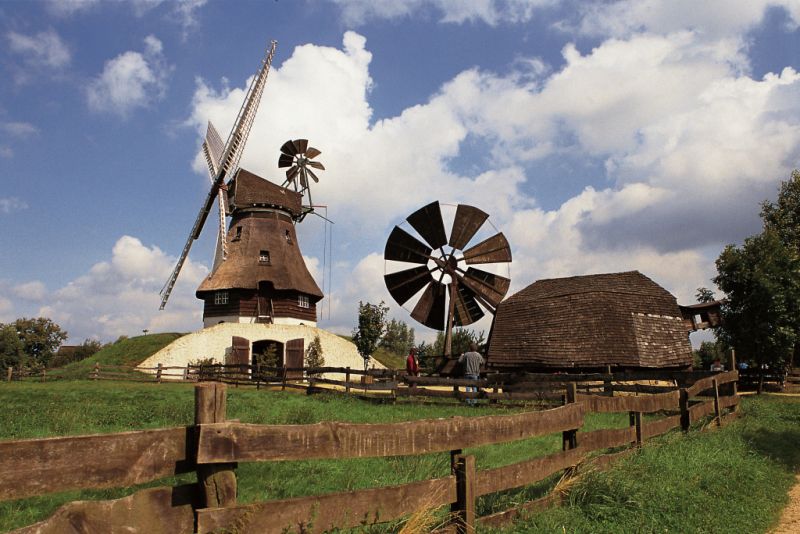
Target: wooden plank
{"x": 40, "y": 466}
{"x": 727, "y": 402}
{"x": 326, "y": 512}
{"x": 656, "y": 428}
{"x": 465, "y": 494}
{"x": 606, "y": 438}
{"x": 217, "y": 482}
{"x": 152, "y": 511}
{"x": 643, "y": 403}
{"x": 505, "y": 517}
{"x": 707, "y": 383}
{"x": 527, "y": 472}
{"x": 237, "y": 442}
{"x": 698, "y": 411}
{"x": 642, "y": 388}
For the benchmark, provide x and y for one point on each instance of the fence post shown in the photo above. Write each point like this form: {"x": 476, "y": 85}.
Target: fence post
{"x": 347, "y": 380}
{"x": 717, "y": 413}
{"x": 684, "y": 405}
{"x": 283, "y": 378}
{"x": 96, "y": 371}
{"x": 394, "y": 386}
{"x": 9, "y": 372}
{"x": 608, "y": 387}
{"x": 734, "y": 386}
{"x": 635, "y": 419}
{"x": 569, "y": 438}
{"x": 186, "y": 373}
{"x": 158, "y": 373}
{"x": 465, "y": 494}
{"x": 217, "y": 481}
{"x": 44, "y": 375}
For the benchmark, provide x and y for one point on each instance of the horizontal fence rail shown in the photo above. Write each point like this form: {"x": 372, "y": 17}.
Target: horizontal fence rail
{"x": 213, "y": 446}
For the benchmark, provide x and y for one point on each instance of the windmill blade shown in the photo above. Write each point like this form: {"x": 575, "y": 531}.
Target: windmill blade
{"x": 292, "y": 173}
{"x": 489, "y": 286}
{"x": 303, "y": 178}
{"x": 312, "y": 152}
{"x": 285, "y": 160}
{"x": 430, "y": 310}
{"x": 428, "y": 222}
{"x": 289, "y": 148}
{"x": 466, "y": 308}
{"x": 403, "y": 285}
{"x": 492, "y": 250}
{"x": 467, "y": 222}
{"x": 215, "y": 143}
{"x": 402, "y": 246}
{"x": 314, "y": 176}
{"x": 316, "y": 165}
{"x": 301, "y": 145}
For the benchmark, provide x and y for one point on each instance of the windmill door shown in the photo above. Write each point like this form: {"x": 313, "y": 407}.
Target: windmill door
{"x": 294, "y": 357}
{"x": 240, "y": 351}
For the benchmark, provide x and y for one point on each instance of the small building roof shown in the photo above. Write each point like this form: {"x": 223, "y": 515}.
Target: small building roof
{"x": 250, "y": 190}
{"x": 619, "y": 319}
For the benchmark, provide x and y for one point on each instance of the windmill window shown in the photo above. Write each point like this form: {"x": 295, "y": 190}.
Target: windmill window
{"x": 303, "y": 302}
{"x": 263, "y": 256}
{"x": 221, "y": 297}
{"x": 238, "y": 235}
{"x": 288, "y": 237}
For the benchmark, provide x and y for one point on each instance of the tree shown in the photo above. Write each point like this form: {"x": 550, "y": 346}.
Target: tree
{"x": 314, "y": 356}
{"x": 704, "y": 295}
{"x": 371, "y": 326}
{"x": 762, "y": 282}
{"x": 88, "y": 348}
{"x": 12, "y": 351}
{"x": 707, "y": 353}
{"x": 462, "y": 339}
{"x": 40, "y": 338}
{"x": 399, "y": 338}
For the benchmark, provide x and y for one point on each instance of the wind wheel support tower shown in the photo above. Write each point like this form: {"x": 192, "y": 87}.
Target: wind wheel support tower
{"x": 258, "y": 273}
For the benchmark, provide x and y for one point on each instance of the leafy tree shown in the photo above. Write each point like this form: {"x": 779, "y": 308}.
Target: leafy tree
{"x": 762, "y": 282}
{"x": 704, "y": 295}
{"x": 399, "y": 338}
{"x": 267, "y": 357}
{"x": 88, "y": 348}
{"x": 12, "y": 351}
{"x": 707, "y": 353}
{"x": 40, "y": 338}
{"x": 462, "y": 339}
{"x": 314, "y": 356}
{"x": 370, "y": 330}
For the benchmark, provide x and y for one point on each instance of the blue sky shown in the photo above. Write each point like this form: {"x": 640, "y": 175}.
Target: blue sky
{"x": 600, "y": 136}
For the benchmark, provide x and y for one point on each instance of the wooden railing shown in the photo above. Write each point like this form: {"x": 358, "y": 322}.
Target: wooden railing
{"x": 213, "y": 446}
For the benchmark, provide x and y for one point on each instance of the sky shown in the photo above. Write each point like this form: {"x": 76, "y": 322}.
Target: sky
{"x": 600, "y": 137}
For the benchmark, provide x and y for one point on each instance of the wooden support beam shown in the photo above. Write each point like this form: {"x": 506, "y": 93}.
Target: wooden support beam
{"x": 569, "y": 439}
{"x": 717, "y": 413}
{"x": 217, "y": 481}
{"x": 465, "y": 494}
{"x": 684, "y": 406}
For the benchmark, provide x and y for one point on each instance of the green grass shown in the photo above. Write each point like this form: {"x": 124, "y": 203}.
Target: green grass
{"x": 131, "y": 352}
{"x": 734, "y": 479}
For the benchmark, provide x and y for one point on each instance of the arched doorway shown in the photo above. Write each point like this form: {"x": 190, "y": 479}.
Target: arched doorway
{"x": 267, "y": 353}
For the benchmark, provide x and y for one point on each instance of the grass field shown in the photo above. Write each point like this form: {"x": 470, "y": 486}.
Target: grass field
{"x": 733, "y": 479}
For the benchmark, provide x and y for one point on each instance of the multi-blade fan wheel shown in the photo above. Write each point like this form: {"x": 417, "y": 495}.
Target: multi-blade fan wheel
{"x": 471, "y": 289}
{"x": 298, "y": 156}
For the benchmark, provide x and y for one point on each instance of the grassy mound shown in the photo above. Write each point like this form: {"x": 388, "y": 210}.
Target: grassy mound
{"x": 131, "y": 351}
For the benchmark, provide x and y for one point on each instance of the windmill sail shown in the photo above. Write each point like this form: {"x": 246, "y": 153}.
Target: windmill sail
{"x": 229, "y": 161}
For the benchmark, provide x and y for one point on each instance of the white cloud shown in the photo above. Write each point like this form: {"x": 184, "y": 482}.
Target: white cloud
{"x": 43, "y": 52}
{"x": 66, "y": 8}
{"x": 691, "y": 145}
{"x": 492, "y": 12}
{"x": 10, "y": 205}
{"x": 131, "y": 80}
{"x": 34, "y": 290}
{"x": 121, "y": 296}
{"x": 19, "y": 129}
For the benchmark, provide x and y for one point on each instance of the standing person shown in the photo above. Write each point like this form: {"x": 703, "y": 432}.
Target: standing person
{"x": 717, "y": 366}
{"x": 412, "y": 363}
{"x": 472, "y": 362}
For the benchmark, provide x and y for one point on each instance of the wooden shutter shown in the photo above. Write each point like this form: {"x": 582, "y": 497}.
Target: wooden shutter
{"x": 295, "y": 349}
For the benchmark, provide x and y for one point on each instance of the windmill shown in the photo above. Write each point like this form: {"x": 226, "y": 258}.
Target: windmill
{"x": 298, "y": 156}
{"x": 223, "y": 160}
{"x": 451, "y": 291}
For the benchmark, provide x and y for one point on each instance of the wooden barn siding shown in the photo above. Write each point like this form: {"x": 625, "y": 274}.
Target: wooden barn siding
{"x": 244, "y": 303}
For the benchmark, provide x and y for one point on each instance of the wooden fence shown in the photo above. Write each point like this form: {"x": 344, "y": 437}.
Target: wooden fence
{"x": 213, "y": 447}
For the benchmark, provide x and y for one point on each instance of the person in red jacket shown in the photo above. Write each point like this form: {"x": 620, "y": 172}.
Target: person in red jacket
{"x": 412, "y": 363}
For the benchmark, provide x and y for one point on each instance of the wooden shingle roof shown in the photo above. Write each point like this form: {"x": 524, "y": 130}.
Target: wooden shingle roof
{"x": 619, "y": 319}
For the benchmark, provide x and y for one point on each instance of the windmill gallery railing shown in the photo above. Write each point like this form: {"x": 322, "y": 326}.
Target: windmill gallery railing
{"x": 213, "y": 447}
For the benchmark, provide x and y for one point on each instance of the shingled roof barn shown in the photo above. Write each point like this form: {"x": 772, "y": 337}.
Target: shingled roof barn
{"x": 620, "y": 319}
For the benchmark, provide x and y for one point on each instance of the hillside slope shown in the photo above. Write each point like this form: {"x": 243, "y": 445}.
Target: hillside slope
{"x": 131, "y": 351}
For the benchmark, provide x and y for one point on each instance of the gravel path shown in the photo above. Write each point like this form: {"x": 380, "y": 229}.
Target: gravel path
{"x": 790, "y": 519}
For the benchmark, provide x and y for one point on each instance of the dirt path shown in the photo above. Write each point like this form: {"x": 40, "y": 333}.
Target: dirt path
{"x": 790, "y": 518}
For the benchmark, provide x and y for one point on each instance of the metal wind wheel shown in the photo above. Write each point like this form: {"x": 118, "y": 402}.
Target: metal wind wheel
{"x": 452, "y": 292}
{"x": 298, "y": 156}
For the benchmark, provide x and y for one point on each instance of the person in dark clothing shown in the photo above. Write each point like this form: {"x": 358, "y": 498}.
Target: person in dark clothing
{"x": 471, "y": 362}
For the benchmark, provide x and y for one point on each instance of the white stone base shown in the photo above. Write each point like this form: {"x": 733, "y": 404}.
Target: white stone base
{"x": 215, "y": 341}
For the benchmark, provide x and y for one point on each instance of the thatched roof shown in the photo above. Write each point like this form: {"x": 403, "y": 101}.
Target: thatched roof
{"x": 619, "y": 319}
{"x": 261, "y": 221}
